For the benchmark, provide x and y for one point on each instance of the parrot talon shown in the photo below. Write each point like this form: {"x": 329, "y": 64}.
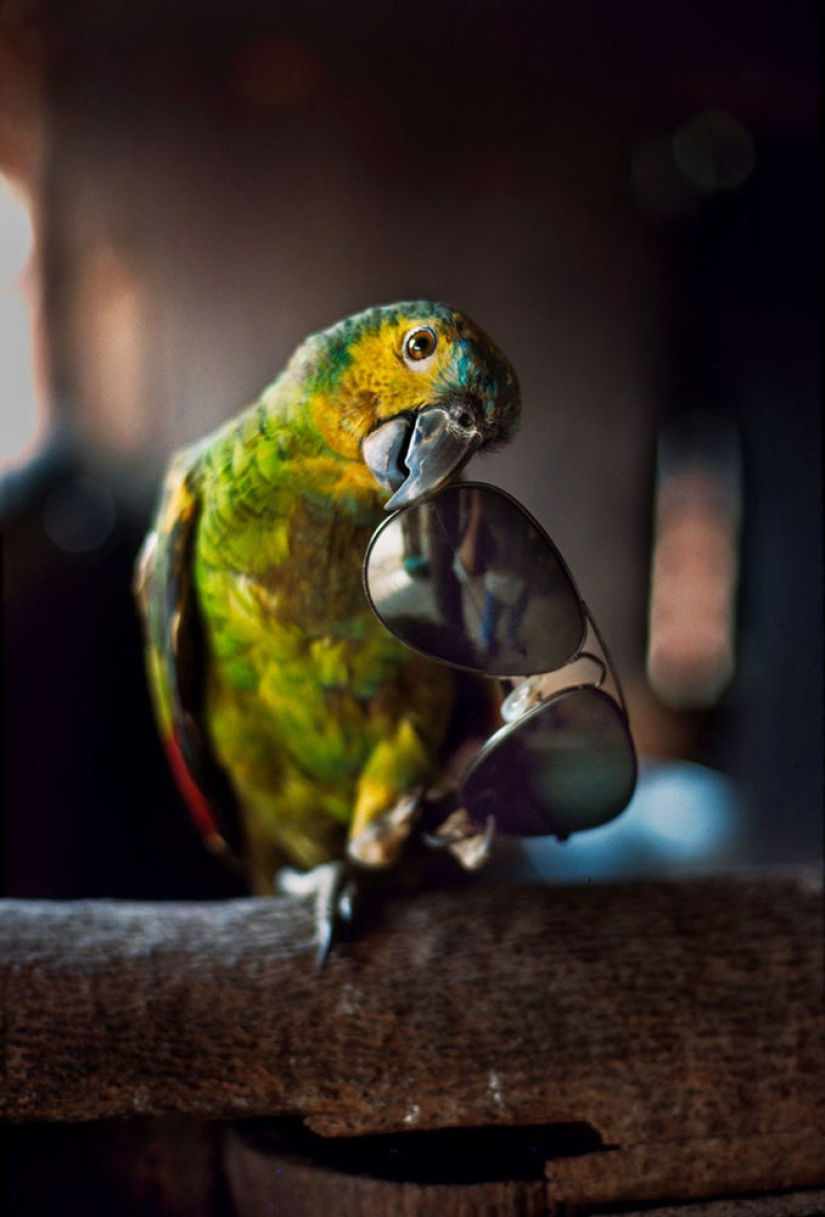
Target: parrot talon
{"x": 337, "y": 913}
{"x": 469, "y": 844}
{"x": 380, "y": 843}
{"x": 325, "y": 944}
{"x": 346, "y": 904}
{"x": 333, "y": 891}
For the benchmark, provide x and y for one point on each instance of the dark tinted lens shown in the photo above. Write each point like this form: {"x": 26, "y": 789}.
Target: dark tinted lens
{"x": 568, "y": 765}
{"x": 471, "y": 579}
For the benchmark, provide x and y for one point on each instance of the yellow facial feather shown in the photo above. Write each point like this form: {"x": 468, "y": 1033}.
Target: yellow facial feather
{"x": 377, "y": 383}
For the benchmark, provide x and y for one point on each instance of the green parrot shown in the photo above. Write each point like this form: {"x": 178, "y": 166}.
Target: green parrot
{"x": 300, "y": 732}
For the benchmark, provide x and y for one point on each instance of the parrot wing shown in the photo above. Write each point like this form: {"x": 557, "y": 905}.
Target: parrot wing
{"x": 175, "y": 656}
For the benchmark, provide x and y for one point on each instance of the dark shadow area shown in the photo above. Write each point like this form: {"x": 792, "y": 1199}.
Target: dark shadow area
{"x": 91, "y": 809}
{"x": 129, "y": 1168}
{"x": 445, "y": 1156}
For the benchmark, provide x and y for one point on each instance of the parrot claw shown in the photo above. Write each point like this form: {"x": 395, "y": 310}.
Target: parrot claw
{"x": 379, "y": 845}
{"x": 333, "y": 889}
{"x": 468, "y": 843}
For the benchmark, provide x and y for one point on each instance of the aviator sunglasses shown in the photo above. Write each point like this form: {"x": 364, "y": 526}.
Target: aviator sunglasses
{"x": 469, "y": 578}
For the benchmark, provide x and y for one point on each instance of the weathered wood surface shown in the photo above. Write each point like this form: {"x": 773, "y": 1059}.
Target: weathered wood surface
{"x": 690, "y": 1169}
{"x": 681, "y": 1021}
{"x": 173, "y": 1167}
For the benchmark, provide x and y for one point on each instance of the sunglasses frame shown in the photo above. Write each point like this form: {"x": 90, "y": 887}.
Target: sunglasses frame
{"x": 529, "y": 685}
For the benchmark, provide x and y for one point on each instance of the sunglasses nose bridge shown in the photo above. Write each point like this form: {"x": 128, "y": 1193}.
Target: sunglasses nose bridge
{"x": 522, "y": 698}
{"x": 584, "y": 669}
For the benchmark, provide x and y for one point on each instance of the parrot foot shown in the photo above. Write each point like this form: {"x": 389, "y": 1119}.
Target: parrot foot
{"x": 463, "y": 838}
{"x": 332, "y": 886}
{"x": 381, "y": 843}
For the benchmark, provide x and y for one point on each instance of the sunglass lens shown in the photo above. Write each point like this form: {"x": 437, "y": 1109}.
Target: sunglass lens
{"x": 470, "y": 578}
{"x": 568, "y": 765}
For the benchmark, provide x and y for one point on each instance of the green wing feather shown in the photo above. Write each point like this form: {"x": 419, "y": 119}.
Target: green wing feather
{"x": 173, "y": 631}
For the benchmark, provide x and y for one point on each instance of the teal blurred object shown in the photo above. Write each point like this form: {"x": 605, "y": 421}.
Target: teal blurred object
{"x": 684, "y": 819}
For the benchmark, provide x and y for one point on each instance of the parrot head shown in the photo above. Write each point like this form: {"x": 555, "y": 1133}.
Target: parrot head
{"x": 412, "y": 390}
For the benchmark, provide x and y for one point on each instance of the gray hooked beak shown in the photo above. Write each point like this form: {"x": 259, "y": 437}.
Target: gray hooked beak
{"x": 415, "y": 461}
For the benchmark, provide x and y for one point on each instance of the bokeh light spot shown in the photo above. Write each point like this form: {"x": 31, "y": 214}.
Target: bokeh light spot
{"x": 19, "y": 415}
{"x": 683, "y": 819}
{"x": 714, "y": 151}
{"x": 79, "y": 515}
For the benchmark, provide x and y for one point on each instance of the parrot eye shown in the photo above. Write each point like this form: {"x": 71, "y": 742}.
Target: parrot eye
{"x": 419, "y": 345}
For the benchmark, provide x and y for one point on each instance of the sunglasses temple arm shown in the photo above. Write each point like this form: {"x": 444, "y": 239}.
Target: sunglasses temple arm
{"x": 606, "y": 664}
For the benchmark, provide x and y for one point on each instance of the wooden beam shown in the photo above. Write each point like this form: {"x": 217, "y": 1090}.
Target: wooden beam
{"x": 668, "y": 1019}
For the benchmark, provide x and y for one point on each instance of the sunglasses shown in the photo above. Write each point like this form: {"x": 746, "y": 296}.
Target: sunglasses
{"x": 469, "y": 578}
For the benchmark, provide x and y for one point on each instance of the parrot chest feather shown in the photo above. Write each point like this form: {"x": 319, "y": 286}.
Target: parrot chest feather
{"x": 304, "y": 684}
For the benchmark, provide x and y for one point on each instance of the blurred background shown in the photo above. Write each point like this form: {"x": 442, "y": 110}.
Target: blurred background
{"x": 627, "y": 197}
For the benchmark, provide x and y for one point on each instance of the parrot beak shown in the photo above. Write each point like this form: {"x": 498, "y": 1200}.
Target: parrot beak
{"x": 417, "y": 460}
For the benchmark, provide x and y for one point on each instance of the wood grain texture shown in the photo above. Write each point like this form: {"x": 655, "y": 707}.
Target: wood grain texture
{"x": 783, "y": 1204}
{"x": 691, "y": 1169}
{"x": 670, "y": 1018}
